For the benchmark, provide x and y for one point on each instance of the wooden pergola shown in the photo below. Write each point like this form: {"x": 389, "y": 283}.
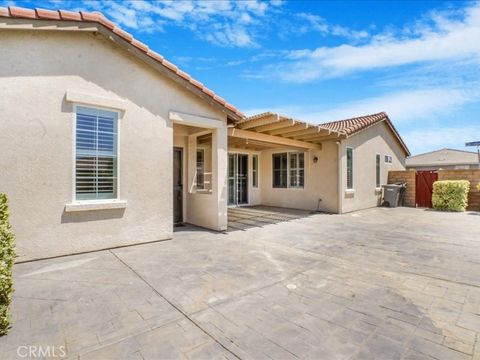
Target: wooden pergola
{"x": 271, "y": 130}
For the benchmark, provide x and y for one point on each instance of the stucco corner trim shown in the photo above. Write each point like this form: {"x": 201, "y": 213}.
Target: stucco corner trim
{"x": 195, "y": 120}
{"x": 96, "y": 205}
{"x": 87, "y": 99}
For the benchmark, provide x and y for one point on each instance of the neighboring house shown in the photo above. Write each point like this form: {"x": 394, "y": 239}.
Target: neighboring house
{"x": 444, "y": 159}
{"x": 99, "y": 133}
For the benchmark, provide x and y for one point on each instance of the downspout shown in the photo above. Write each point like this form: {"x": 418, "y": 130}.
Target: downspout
{"x": 339, "y": 176}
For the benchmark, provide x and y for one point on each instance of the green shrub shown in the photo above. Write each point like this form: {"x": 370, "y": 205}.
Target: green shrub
{"x": 450, "y": 195}
{"x": 7, "y": 258}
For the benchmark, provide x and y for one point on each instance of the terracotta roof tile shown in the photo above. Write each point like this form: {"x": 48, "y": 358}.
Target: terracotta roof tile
{"x": 107, "y": 23}
{"x": 47, "y": 14}
{"x": 70, "y": 15}
{"x": 64, "y": 15}
{"x": 208, "y": 91}
{"x": 123, "y": 34}
{"x": 184, "y": 75}
{"x": 196, "y": 83}
{"x": 22, "y": 12}
{"x": 169, "y": 65}
{"x": 86, "y": 16}
{"x": 155, "y": 55}
{"x": 139, "y": 45}
{"x": 219, "y": 99}
{"x": 357, "y": 124}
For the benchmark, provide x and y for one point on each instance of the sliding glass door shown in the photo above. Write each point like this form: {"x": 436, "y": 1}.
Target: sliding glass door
{"x": 237, "y": 179}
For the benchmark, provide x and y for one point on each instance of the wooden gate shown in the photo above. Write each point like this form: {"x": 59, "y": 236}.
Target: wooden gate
{"x": 424, "y": 188}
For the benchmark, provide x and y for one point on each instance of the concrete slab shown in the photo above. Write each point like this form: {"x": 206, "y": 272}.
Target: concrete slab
{"x": 381, "y": 283}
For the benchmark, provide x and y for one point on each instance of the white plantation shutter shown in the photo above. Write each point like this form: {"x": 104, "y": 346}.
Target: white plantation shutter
{"x": 96, "y": 154}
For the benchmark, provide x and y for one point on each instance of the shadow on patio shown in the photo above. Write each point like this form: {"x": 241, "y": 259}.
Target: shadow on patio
{"x": 242, "y": 218}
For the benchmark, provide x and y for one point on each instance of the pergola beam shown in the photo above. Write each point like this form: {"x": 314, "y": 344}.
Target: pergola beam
{"x": 252, "y": 135}
{"x": 283, "y": 131}
{"x": 250, "y": 124}
{"x": 277, "y": 125}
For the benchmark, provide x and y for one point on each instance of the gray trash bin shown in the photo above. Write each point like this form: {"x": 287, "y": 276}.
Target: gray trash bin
{"x": 391, "y": 194}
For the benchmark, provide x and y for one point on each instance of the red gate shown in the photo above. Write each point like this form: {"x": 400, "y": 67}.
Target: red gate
{"x": 424, "y": 188}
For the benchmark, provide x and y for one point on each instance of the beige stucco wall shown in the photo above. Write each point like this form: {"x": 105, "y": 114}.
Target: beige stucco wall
{"x": 204, "y": 208}
{"x": 36, "y": 70}
{"x": 377, "y": 139}
{"x": 320, "y": 181}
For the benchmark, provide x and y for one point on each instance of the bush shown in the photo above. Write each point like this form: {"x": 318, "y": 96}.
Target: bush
{"x": 7, "y": 258}
{"x": 450, "y": 195}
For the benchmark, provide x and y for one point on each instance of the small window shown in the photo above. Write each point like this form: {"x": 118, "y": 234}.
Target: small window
{"x": 388, "y": 159}
{"x": 297, "y": 170}
{"x": 200, "y": 169}
{"x": 377, "y": 168}
{"x": 255, "y": 171}
{"x": 349, "y": 168}
{"x": 279, "y": 166}
{"x": 95, "y": 154}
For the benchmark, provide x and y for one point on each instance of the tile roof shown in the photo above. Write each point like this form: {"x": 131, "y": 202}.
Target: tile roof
{"x": 354, "y": 125}
{"x": 98, "y": 18}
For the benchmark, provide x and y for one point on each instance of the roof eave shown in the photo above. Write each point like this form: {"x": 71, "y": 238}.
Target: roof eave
{"x": 38, "y": 19}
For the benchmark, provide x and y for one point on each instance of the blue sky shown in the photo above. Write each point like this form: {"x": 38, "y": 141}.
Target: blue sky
{"x": 322, "y": 61}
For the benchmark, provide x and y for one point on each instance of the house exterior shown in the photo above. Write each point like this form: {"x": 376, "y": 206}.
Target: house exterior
{"x": 334, "y": 167}
{"x": 104, "y": 143}
{"x": 445, "y": 159}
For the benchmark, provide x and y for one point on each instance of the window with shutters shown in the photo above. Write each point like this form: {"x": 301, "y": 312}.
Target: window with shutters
{"x": 349, "y": 168}
{"x": 280, "y": 171}
{"x": 96, "y": 159}
{"x": 297, "y": 170}
{"x": 288, "y": 170}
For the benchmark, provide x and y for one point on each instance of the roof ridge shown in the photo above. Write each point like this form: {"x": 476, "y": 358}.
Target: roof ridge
{"x": 434, "y": 151}
{"x": 383, "y": 113}
{"x": 99, "y": 18}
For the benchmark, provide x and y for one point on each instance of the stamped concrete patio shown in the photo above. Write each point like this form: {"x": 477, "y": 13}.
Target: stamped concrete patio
{"x": 377, "y": 284}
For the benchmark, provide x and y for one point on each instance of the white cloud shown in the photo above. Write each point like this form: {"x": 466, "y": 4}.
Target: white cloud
{"x": 442, "y": 38}
{"x": 225, "y": 23}
{"x": 402, "y": 106}
{"x": 316, "y": 23}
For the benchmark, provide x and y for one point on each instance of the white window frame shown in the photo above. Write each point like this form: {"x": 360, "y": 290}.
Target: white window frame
{"x": 289, "y": 153}
{"x": 388, "y": 159}
{"x": 298, "y": 168}
{"x": 353, "y": 167}
{"x": 74, "y": 162}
